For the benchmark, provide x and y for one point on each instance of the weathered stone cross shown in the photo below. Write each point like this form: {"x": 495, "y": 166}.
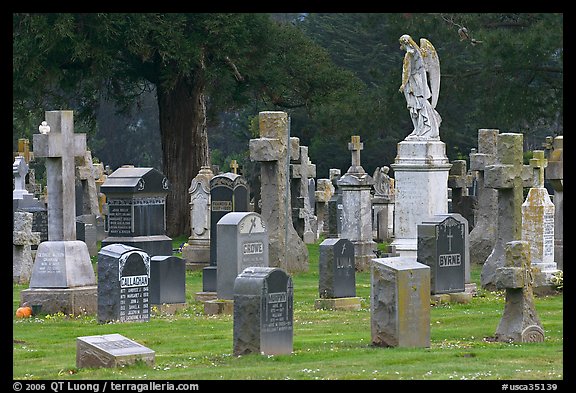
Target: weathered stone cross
{"x": 538, "y": 163}
{"x": 508, "y": 175}
{"x": 60, "y": 146}
{"x": 520, "y": 322}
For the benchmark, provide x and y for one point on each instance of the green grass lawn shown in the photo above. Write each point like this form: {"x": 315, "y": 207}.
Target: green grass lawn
{"x": 327, "y": 344}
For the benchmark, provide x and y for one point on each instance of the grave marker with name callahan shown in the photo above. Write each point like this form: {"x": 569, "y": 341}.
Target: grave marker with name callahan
{"x": 123, "y": 284}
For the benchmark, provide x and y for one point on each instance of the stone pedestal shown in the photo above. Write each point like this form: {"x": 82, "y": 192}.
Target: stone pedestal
{"x": 421, "y": 178}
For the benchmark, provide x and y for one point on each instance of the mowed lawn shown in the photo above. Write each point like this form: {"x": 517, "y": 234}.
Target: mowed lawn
{"x": 327, "y": 344}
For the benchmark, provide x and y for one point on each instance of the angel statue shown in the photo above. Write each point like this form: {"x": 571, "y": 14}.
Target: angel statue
{"x": 421, "y": 65}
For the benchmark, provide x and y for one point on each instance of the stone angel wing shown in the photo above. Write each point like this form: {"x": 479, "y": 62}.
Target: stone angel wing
{"x": 432, "y": 66}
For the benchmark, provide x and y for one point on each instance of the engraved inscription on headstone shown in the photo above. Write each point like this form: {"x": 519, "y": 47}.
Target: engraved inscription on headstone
{"x": 263, "y": 312}
{"x": 336, "y": 269}
{"x": 110, "y": 350}
{"x": 243, "y": 242}
{"x": 442, "y": 246}
{"x": 123, "y": 284}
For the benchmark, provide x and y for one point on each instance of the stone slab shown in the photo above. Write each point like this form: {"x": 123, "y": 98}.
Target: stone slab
{"x": 111, "y": 350}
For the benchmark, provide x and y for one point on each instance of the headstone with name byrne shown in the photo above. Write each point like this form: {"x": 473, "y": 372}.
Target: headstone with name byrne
{"x": 442, "y": 245}
{"x": 242, "y": 243}
{"x": 136, "y": 199}
{"x": 400, "y": 302}
{"x": 263, "y": 312}
{"x": 111, "y": 350}
{"x": 123, "y": 284}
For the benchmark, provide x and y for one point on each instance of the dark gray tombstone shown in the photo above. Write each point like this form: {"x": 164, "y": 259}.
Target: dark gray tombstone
{"x": 242, "y": 243}
{"x": 123, "y": 284}
{"x": 263, "y": 312}
{"x": 335, "y": 206}
{"x": 229, "y": 192}
{"x": 111, "y": 350}
{"x": 336, "y": 269}
{"x": 136, "y": 199}
{"x": 167, "y": 280}
{"x": 442, "y": 245}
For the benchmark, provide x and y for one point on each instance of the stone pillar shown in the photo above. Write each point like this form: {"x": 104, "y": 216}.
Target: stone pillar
{"x": 520, "y": 322}
{"x": 538, "y": 224}
{"x": 323, "y": 193}
{"x": 197, "y": 250}
{"x": 506, "y": 175}
{"x": 554, "y": 174}
{"x": 421, "y": 180}
{"x": 483, "y": 235}
{"x": 23, "y": 239}
{"x": 301, "y": 170}
{"x": 273, "y": 149}
{"x": 357, "y": 208}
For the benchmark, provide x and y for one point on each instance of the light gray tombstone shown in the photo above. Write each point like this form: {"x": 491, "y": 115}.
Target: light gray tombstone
{"x": 555, "y": 175}
{"x": 22, "y": 239}
{"x": 538, "y": 225}
{"x": 111, "y": 350}
{"x": 519, "y": 322}
{"x": 509, "y": 176}
{"x": 62, "y": 263}
{"x": 460, "y": 181}
{"x": 263, "y": 312}
{"x": 443, "y": 246}
{"x": 123, "y": 284}
{"x": 20, "y": 170}
{"x": 197, "y": 251}
{"x": 242, "y": 243}
{"x": 273, "y": 150}
{"x": 400, "y": 303}
{"x": 301, "y": 172}
{"x": 357, "y": 208}
{"x": 322, "y": 195}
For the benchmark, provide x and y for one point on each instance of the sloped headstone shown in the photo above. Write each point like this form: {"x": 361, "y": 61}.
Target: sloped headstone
{"x": 111, "y": 350}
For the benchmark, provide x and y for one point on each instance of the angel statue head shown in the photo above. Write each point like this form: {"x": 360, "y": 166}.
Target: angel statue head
{"x": 421, "y": 85}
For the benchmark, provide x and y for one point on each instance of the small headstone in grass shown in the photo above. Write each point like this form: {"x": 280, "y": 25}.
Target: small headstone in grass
{"x": 400, "y": 303}
{"x": 110, "y": 350}
{"x": 263, "y": 312}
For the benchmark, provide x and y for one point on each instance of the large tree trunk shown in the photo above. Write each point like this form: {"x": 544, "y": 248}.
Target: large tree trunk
{"x": 182, "y": 112}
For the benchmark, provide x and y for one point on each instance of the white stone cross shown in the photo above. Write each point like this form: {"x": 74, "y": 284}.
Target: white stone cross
{"x": 60, "y": 146}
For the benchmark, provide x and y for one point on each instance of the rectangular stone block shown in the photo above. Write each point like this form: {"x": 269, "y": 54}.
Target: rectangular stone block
{"x": 400, "y": 302}
{"x": 266, "y": 149}
{"x": 510, "y": 277}
{"x": 110, "y": 350}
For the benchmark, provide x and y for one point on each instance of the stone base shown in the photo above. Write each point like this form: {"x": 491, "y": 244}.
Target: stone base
{"x": 195, "y": 266}
{"x": 407, "y": 248}
{"x": 456, "y": 297}
{"x": 341, "y": 303}
{"x": 205, "y": 296}
{"x": 70, "y": 301}
{"x": 153, "y": 245}
{"x": 196, "y": 254}
{"x": 364, "y": 252}
{"x": 219, "y": 306}
{"x": 167, "y": 308}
